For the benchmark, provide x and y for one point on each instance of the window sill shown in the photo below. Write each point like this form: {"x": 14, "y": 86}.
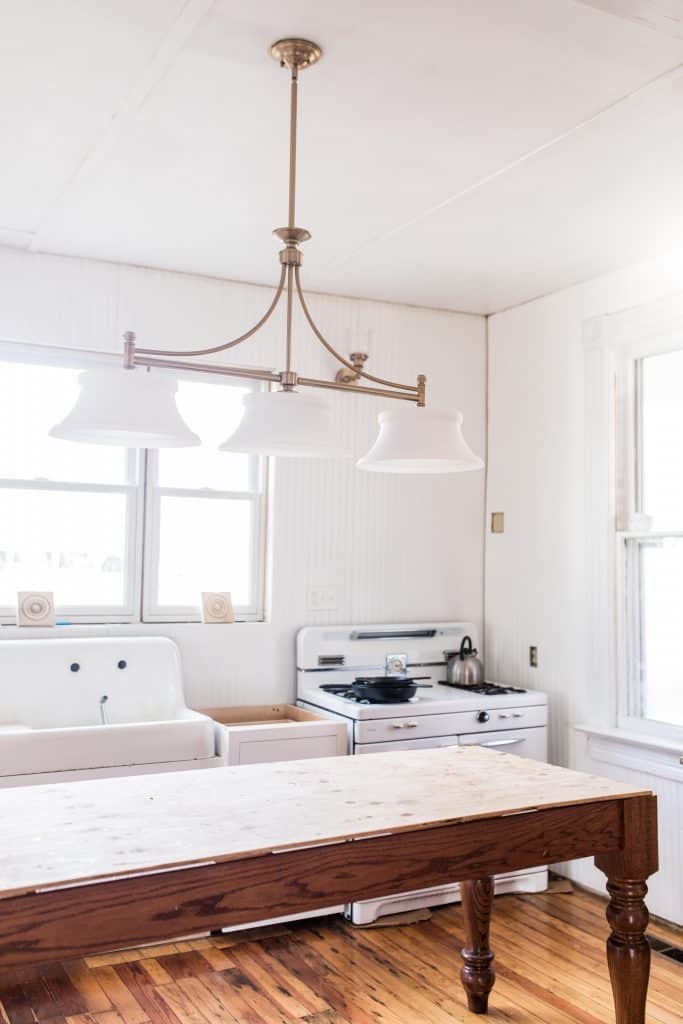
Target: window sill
{"x": 638, "y": 752}
{"x": 637, "y": 739}
{"x": 10, "y": 631}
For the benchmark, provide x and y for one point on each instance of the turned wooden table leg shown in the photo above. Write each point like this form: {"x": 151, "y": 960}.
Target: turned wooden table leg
{"x": 628, "y": 952}
{"x": 477, "y": 973}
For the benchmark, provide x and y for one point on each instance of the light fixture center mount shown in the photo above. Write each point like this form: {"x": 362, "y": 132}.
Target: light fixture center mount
{"x": 296, "y": 53}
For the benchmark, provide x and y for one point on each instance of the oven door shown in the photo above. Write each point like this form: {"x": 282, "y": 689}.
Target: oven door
{"x": 531, "y": 743}
{"x": 421, "y": 744}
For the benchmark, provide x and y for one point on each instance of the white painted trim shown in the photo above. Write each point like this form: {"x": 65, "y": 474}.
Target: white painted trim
{"x": 600, "y": 507}
{"x": 612, "y": 344}
{"x": 646, "y": 755}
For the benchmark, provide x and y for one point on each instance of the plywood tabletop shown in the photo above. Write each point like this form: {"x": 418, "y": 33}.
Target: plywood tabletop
{"x": 69, "y": 832}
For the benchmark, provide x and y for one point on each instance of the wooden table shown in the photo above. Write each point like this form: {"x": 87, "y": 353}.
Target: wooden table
{"x": 88, "y": 867}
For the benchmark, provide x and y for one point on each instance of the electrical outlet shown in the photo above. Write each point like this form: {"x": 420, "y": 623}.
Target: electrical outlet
{"x": 533, "y": 657}
{"x": 322, "y": 598}
{"x": 497, "y": 522}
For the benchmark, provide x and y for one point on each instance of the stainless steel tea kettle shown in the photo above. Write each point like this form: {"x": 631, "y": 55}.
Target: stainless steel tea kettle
{"x": 463, "y": 667}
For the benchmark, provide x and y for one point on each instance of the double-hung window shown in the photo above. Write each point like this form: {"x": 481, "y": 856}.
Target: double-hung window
{"x": 120, "y": 535}
{"x": 650, "y": 541}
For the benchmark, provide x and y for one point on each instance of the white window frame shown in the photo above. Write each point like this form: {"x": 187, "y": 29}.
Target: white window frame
{"x": 142, "y": 509}
{"x": 630, "y": 531}
{"x": 256, "y": 496}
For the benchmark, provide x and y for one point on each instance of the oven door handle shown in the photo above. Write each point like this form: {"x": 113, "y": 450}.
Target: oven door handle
{"x": 496, "y": 743}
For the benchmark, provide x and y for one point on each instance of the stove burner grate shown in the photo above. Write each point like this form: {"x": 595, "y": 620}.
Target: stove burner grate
{"x": 487, "y": 689}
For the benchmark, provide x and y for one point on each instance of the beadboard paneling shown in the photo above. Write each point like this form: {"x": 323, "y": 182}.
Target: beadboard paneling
{"x": 394, "y": 548}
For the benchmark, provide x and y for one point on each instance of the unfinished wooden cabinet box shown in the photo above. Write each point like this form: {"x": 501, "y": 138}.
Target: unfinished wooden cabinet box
{"x": 277, "y": 732}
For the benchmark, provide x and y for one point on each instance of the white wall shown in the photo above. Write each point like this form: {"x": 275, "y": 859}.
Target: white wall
{"x": 537, "y": 578}
{"x": 396, "y": 548}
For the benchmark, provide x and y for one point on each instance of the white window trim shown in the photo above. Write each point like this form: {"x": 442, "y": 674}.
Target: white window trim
{"x": 142, "y": 533}
{"x": 611, "y": 346}
{"x": 132, "y": 555}
{"x": 256, "y": 496}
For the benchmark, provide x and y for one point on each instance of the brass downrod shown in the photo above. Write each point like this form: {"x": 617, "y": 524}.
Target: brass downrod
{"x": 294, "y": 89}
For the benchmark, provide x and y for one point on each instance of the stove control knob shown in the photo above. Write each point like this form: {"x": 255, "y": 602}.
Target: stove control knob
{"x": 483, "y": 716}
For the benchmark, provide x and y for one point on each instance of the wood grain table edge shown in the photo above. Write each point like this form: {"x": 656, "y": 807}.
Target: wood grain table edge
{"x": 7, "y": 892}
{"x": 94, "y": 917}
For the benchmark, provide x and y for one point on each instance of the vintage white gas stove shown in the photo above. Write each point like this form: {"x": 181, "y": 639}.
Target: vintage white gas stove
{"x": 506, "y": 718}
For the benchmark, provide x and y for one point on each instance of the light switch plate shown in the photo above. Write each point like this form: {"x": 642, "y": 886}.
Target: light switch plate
{"x": 321, "y": 598}
{"x": 497, "y": 522}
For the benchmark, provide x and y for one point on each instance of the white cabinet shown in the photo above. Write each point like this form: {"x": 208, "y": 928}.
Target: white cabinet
{"x": 278, "y": 732}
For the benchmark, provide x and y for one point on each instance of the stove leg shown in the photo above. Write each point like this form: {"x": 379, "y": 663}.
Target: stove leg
{"x": 477, "y": 973}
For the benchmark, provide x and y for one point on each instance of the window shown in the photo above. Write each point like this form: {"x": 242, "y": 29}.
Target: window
{"x": 204, "y": 512}
{"x": 113, "y": 531}
{"x": 651, "y": 544}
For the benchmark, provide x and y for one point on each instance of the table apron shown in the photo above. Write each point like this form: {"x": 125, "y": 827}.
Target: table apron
{"x": 95, "y": 917}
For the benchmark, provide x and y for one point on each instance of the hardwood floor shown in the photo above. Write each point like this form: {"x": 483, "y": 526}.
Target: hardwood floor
{"x": 550, "y": 969}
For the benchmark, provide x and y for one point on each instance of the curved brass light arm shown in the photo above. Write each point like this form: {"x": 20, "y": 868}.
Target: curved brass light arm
{"x": 333, "y": 351}
{"x": 228, "y": 344}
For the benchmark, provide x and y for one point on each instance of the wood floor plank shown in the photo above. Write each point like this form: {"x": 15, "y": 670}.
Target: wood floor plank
{"x": 135, "y": 976}
{"x": 123, "y": 1000}
{"x": 94, "y": 996}
{"x": 365, "y": 1001}
{"x": 303, "y": 963}
{"x": 232, "y": 998}
{"x": 342, "y": 952}
{"x": 293, "y": 996}
{"x": 183, "y": 965}
{"x": 550, "y": 964}
{"x": 180, "y": 1004}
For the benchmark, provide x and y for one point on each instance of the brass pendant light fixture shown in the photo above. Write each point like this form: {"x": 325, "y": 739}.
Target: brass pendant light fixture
{"x": 279, "y": 422}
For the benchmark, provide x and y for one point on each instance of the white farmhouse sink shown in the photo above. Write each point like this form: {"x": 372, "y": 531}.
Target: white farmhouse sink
{"x": 54, "y": 718}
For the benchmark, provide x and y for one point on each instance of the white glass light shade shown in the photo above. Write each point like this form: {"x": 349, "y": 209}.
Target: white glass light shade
{"x": 131, "y": 408}
{"x": 285, "y": 423}
{"x": 417, "y": 441}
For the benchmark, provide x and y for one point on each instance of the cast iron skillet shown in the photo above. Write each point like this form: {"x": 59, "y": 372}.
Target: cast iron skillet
{"x": 386, "y": 689}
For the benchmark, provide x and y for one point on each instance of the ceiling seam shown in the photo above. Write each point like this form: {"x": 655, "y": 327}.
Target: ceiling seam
{"x": 518, "y": 161}
{"x": 154, "y": 71}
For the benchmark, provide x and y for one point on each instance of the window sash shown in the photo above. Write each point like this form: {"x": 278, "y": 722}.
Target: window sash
{"x": 132, "y": 559}
{"x": 152, "y": 610}
{"x": 630, "y": 537}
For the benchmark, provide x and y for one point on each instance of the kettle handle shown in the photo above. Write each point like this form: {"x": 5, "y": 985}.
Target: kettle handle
{"x": 466, "y": 648}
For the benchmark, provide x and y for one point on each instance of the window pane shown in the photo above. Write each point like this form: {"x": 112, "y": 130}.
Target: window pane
{"x": 661, "y": 641}
{"x": 68, "y": 542}
{"x": 33, "y": 399}
{"x": 212, "y": 411}
{"x": 662, "y": 440}
{"x": 204, "y": 545}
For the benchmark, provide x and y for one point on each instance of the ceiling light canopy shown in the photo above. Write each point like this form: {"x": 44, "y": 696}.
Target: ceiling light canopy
{"x": 136, "y": 409}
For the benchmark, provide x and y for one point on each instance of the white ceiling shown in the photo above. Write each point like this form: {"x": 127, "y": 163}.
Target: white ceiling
{"x": 465, "y": 154}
